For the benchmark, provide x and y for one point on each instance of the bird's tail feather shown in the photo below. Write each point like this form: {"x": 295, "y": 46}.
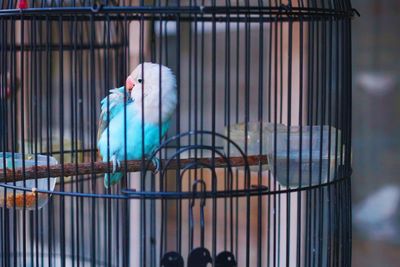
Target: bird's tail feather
{"x": 115, "y": 178}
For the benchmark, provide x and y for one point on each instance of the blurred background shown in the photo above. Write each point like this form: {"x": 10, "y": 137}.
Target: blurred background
{"x": 376, "y": 132}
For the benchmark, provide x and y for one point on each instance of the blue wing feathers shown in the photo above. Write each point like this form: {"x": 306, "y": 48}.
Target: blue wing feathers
{"x": 111, "y": 141}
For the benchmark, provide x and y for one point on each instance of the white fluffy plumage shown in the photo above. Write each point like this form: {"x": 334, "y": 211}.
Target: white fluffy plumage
{"x": 146, "y": 78}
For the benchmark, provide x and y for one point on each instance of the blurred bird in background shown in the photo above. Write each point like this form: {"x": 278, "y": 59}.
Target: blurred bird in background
{"x": 8, "y": 90}
{"x": 142, "y": 87}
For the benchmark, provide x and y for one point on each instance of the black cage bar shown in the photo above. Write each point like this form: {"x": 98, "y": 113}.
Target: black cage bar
{"x": 251, "y": 166}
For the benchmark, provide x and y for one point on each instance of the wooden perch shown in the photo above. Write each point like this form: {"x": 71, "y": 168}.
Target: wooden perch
{"x": 71, "y": 169}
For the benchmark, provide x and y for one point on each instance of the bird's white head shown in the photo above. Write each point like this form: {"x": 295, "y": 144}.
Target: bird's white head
{"x": 152, "y": 83}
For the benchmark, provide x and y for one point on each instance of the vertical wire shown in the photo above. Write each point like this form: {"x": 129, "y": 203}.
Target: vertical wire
{"x": 196, "y": 82}
{"x": 14, "y": 90}
{"x": 178, "y": 128}
{"x": 196, "y": 117}
{"x": 301, "y": 93}
{"x": 9, "y": 136}
{"x": 167, "y": 60}
{"x": 163, "y": 201}
{"x": 120, "y": 73}
{"x": 3, "y": 80}
{"x": 346, "y": 140}
{"x": 7, "y": 219}
{"x": 73, "y": 112}
{"x": 347, "y": 150}
{"x": 275, "y": 38}
{"x": 190, "y": 97}
{"x": 237, "y": 121}
{"x": 329, "y": 189}
{"x": 202, "y": 85}
{"x": 289, "y": 116}
{"x": 102, "y": 204}
{"x": 330, "y": 249}
{"x": 117, "y": 74}
{"x": 310, "y": 62}
{"x": 299, "y": 196}
{"x": 80, "y": 185}
{"x": 92, "y": 139}
{"x": 269, "y": 110}
{"x": 213, "y": 126}
{"x": 343, "y": 231}
{"x": 49, "y": 132}
{"x": 103, "y": 54}
{"x": 260, "y": 120}
{"x": 322, "y": 139}
{"x": 332, "y": 189}
{"x": 76, "y": 138}
{"x": 281, "y": 96}
{"x": 226, "y": 182}
{"x": 13, "y": 87}
{"x": 32, "y": 95}
{"x": 61, "y": 119}
{"x": 3, "y": 138}
{"x": 22, "y": 125}
{"x": 314, "y": 211}
{"x": 246, "y": 119}
{"x": 126, "y": 225}
{"x": 337, "y": 149}
{"x": 107, "y": 69}
{"x": 10, "y": 124}
{"x": 318, "y": 119}
{"x": 349, "y": 145}
{"x": 153, "y": 222}
{"x": 2, "y": 142}
{"x": 41, "y": 123}
{"x": 119, "y": 209}
{"x": 228, "y": 127}
{"x": 143, "y": 228}
{"x": 342, "y": 126}
{"x": 35, "y": 129}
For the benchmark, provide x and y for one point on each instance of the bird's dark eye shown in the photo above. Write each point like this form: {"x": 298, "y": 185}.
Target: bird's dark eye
{"x": 139, "y": 80}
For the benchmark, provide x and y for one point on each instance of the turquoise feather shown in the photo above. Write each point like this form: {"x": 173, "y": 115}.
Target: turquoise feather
{"x": 111, "y": 140}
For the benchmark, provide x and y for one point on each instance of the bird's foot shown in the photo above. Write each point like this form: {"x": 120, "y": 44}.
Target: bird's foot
{"x": 157, "y": 164}
{"x": 116, "y": 163}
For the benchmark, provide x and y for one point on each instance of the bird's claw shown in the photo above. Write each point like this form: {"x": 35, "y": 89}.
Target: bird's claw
{"x": 116, "y": 163}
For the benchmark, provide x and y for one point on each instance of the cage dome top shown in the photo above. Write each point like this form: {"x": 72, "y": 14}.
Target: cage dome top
{"x": 218, "y": 9}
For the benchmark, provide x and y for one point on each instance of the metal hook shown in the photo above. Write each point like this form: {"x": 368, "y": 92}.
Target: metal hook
{"x": 355, "y": 12}
{"x": 202, "y": 205}
{"x": 203, "y": 190}
{"x": 97, "y": 7}
{"x": 287, "y": 8}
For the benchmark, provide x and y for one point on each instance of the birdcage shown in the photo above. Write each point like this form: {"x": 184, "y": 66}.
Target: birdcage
{"x": 229, "y": 145}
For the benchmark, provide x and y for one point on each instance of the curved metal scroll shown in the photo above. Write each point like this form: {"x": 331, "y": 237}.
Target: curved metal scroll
{"x": 213, "y": 149}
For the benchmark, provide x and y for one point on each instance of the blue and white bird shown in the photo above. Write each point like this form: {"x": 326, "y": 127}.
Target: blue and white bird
{"x": 143, "y": 88}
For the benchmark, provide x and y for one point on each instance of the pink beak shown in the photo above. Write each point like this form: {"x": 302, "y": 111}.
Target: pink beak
{"x": 129, "y": 84}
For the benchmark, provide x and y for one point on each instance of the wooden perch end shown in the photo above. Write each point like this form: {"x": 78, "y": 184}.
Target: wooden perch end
{"x": 72, "y": 169}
